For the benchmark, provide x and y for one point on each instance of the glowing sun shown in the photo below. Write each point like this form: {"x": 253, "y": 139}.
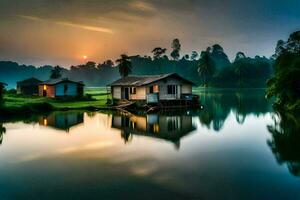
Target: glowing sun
{"x": 84, "y": 57}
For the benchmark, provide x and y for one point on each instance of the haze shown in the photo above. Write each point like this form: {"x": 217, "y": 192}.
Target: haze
{"x": 54, "y": 32}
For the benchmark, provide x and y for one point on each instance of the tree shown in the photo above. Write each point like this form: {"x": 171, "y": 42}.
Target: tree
{"x": 219, "y": 56}
{"x": 109, "y": 63}
{"x": 56, "y": 72}
{"x": 1, "y": 91}
{"x": 90, "y": 65}
{"x": 124, "y": 64}
{"x": 176, "y": 46}
{"x": 239, "y": 55}
{"x": 206, "y": 67}
{"x": 217, "y": 49}
{"x": 285, "y": 83}
{"x": 158, "y": 52}
{"x": 194, "y": 55}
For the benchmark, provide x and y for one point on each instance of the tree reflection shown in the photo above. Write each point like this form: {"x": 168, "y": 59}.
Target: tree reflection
{"x": 285, "y": 141}
{"x": 219, "y": 104}
{"x": 2, "y": 132}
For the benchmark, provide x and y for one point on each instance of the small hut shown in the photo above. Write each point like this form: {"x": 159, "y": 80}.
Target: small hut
{"x": 61, "y": 88}
{"x": 28, "y": 86}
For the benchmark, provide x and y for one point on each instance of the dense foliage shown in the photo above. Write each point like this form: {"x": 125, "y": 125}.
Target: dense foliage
{"x": 285, "y": 83}
{"x": 211, "y": 67}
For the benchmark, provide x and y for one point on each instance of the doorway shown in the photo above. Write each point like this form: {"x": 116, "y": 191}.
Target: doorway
{"x": 125, "y": 93}
{"x": 44, "y": 93}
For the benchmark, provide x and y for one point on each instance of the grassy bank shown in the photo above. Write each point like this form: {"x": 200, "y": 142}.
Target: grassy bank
{"x": 17, "y": 104}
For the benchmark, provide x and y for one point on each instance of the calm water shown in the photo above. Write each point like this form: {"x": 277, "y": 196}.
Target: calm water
{"x": 236, "y": 148}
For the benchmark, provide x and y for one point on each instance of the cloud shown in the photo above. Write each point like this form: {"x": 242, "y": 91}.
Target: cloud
{"x": 70, "y": 24}
{"x": 142, "y": 6}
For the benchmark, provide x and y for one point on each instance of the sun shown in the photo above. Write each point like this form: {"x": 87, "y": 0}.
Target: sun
{"x": 84, "y": 57}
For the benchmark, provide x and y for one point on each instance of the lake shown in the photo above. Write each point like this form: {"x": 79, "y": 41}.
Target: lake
{"x": 237, "y": 147}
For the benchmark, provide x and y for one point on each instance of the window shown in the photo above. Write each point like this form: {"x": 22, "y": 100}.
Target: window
{"x": 172, "y": 124}
{"x": 151, "y": 90}
{"x": 156, "y": 88}
{"x": 133, "y": 90}
{"x": 172, "y": 89}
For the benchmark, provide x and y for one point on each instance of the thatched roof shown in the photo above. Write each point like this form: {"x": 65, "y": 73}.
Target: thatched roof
{"x": 145, "y": 80}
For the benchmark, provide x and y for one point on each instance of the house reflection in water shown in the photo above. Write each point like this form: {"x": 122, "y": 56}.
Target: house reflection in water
{"x": 62, "y": 120}
{"x": 169, "y": 128}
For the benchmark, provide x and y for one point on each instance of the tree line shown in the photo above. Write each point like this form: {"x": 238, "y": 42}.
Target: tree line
{"x": 210, "y": 67}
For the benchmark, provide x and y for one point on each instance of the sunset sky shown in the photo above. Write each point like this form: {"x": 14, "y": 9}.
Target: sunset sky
{"x": 61, "y": 32}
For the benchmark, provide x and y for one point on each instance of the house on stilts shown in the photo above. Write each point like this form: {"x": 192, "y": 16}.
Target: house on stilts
{"x": 167, "y": 90}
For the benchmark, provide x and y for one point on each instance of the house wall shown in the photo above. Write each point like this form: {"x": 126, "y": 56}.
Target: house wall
{"x": 116, "y": 92}
{"x": 182, "y": 87}
{"x": 140, "y": 123}
{"x": 28, "y": 89}
{"x": 175, "y": 124}
{"x": 71, "y": 89}
{"x": 50, "y": 91}
{"x": 140, "y": 94}
{"x": 186, "y": 89}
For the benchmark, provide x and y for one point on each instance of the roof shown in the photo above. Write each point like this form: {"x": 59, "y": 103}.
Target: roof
{"x": 145, "y": 80}
{"x": 29, "y": 81}
{"x": 57, "y": 81}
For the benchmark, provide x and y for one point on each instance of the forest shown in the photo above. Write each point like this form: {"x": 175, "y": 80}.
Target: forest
{"x": 210, "y": 68}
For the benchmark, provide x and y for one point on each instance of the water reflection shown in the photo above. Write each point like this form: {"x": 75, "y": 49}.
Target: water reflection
{"x": 2, "y": 132}
{"x": 167, "y": 127}
{"x": 237, "y": 162}
{"x": 285, "y": 141}
{"x": 62, "y": 120}
{"x": 219, "y": 103}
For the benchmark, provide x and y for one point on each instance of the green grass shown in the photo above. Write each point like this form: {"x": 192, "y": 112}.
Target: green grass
{"x": 98, "y": 100}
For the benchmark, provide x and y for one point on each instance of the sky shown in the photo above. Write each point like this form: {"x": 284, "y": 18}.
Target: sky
{"x": 70, "y": 32}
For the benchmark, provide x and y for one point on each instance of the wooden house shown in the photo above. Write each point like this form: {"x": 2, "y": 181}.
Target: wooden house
{"x": 61, "y": 88}
{"x": 152, "y": 89}
{"x": 28, "y": 86}
{"x": 2, "y": 86}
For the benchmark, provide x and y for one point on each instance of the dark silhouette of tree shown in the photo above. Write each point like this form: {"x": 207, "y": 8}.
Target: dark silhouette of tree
{"x": 158, "y": 52}
{"x": 176, "y": 47}
{"x": 124, "y": 65}
{"x": 186, "y": 57}
{"x": 219, "y": 56}
{"x": 239, "y": 55}
{"x": 2, "y": 85}
{"x": 90, "y": 65}
{"x": 285, "y": 83}
{"x": 194, "y": 55}
{"x": 56, "y": 72}
{"x": 109, "y": 63}
{"x": 285, "y": 140}
{"x": 2, "y": 131}
{"x": 206, "y": 68}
